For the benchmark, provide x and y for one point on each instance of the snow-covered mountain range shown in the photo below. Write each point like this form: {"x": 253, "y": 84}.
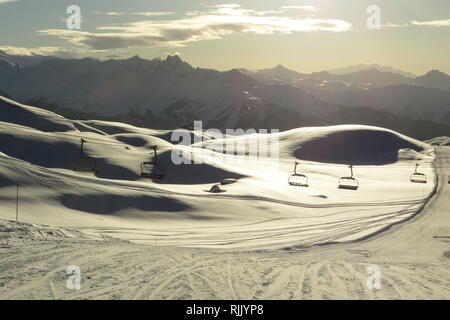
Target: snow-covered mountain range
{"x": 170, "y": 93}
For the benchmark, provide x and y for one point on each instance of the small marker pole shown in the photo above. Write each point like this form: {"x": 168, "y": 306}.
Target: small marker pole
{"x": 17, "y": 202}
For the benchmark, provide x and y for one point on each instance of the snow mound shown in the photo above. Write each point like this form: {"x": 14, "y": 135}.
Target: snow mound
{"x": 440, "y": 141}
{"x": 358, "y": 145}
{"x": 39, "y": 150}
{"x": 11, "y": 231}
{"x": 342, "y": 144}
{"x": 140, "y": 140}
{"x": 39, "y": 119}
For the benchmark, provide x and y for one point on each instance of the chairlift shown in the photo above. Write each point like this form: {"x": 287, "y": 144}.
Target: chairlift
{"x": 152, "y": 169}
{"x": 298, "y": 179}
{"x": 84, "y": 163}
{"x": 348, "y": 183}
{"x": 418, "y": 177}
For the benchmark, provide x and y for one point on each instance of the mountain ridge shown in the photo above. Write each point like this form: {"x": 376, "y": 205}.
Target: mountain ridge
{"x": 359, "y": 67}
{"x": 173, "y": 93}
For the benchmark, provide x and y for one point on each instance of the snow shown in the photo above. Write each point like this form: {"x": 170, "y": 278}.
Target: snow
{"x": 183, "y": 242}
{"x": 259, "y": 211}
{"x": 440, "y": 141}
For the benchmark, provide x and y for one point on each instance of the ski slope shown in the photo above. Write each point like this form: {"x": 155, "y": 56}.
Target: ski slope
{"x": 413, "y": 259}
{"x": 259, "y": 211}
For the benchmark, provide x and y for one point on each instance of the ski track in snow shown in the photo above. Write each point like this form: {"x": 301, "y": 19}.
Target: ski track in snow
{"x": 261, "y": 239}
{"x": 411, "y": 260}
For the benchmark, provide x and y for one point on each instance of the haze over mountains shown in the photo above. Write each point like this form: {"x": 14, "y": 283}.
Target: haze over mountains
{"x": 361, "y": 67}
{"x": 171, "y": 93}
{"x": 364, "y": 78}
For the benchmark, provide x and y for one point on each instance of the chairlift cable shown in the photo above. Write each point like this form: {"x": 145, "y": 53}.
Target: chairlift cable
{"x": 76, "y": 137}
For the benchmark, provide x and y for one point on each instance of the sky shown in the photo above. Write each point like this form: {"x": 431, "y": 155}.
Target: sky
{"x": 304, "y": 35}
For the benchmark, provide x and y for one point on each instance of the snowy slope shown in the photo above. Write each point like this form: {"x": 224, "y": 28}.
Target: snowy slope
{"x": 440, "y": 141}
{"x": 413, "y": 259}
{"x": 260, "y": 210}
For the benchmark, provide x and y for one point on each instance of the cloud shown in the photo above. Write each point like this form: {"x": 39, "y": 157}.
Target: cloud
{"x": 143, "y": 13}
{"x": 215, "y": 23}
{"x": 393, "y": 25}
{"x": 296, "y": 8}
{"x": 21, "y": 51}
{"x": 5, "y": 1}
{"x": 43, "y": 51}
{"x": 434, "y": 23}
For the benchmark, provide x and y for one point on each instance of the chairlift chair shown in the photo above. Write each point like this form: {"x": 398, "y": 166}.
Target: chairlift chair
{"x": 418, "y": 177}
{"x": 298, "y": 179}
{"x": 84, "y": 163}
{"x": 152, "y": 169}
{"x": 349, "y": 183}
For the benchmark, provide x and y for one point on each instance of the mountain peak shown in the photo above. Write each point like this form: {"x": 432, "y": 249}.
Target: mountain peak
{"x": 435, "y": 72}
{"x": 434, "y": 79}
{"x": 360, "y": 67}
{"x": 320, "y": 74}
{"x": 175, "y": 61}
{"x": 281, "y": 73}
{"x": 173, "y": 58}
{"x": 175, "y": 64}
{"x": 371, "y": 71}
{"x": 280, "y": 67}
{"x": 132, "y": 60}
{"x": 135, "y": 57}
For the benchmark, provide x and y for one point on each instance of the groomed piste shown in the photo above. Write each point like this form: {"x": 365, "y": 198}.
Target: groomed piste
{"x": 254, "y": 207}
